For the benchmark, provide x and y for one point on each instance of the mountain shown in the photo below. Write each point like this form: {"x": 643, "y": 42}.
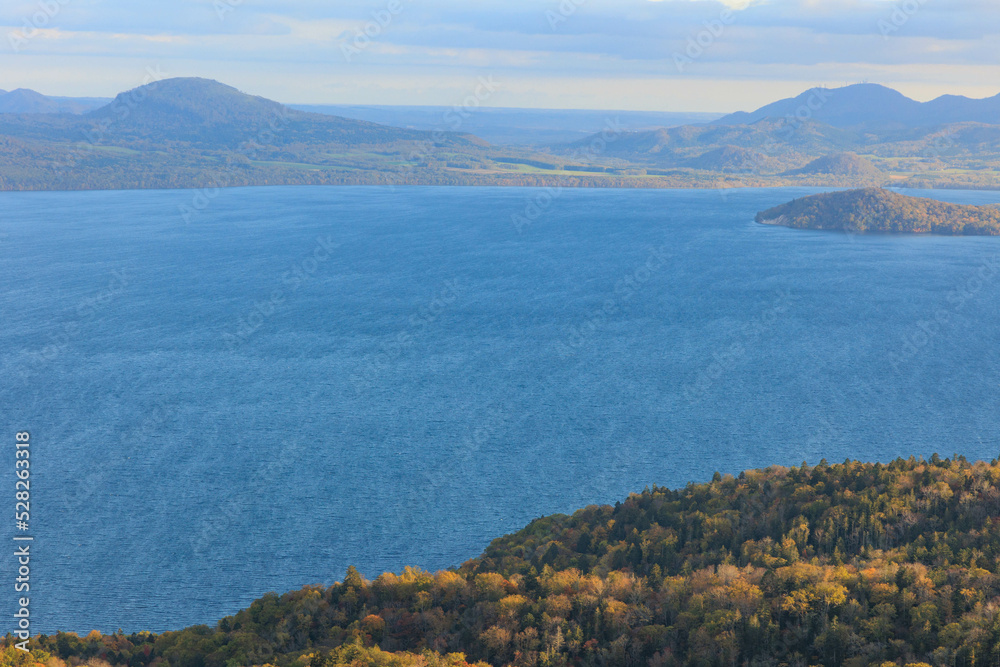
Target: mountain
{"x": 879, "y": 210}
{"x": 957, "y": 108}
{"x": 872, "y": 106}
{"x": 731, "y": 159}
{"x": 24, "y": 100}
{"x": 513, "y": 126}
{"x": 842, "y": 565}
{"x": 188, "y": 101}
{"x": 772, "y": 145}
{"x": 205, "y": 112}
{"x": 841, "y": 164}
{"x": 692, "y": 145}
{"x": 192, "y": 132}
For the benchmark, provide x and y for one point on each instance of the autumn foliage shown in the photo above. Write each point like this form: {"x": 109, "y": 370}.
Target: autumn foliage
{"x": 877, "y": 210}
{"x": 849, "y": 564}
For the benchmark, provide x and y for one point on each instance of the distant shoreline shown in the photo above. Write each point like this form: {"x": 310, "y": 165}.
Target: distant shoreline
{"x": 539, "y": 185}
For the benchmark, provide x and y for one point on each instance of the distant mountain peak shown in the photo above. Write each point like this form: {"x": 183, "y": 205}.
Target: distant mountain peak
{"x": 193, "y": 100}
{"x": 187, "y": 86}
{"x": 872, "y": 105}
{"x": 27, "y": 101}
{"x": 206, "y": 112}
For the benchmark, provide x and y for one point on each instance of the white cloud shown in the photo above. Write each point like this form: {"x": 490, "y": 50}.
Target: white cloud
{"x": 608, "y": 53}
{"x": 731, "y": 4}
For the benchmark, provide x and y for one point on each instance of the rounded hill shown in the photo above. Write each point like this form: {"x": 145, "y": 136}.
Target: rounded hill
{"x": 841, "y": 164}
{"x": 208, "y": 113}
{"x": 880, "y": 210}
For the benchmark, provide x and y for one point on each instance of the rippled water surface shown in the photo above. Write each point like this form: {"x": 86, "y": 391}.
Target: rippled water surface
{"x": 299, "y": 379}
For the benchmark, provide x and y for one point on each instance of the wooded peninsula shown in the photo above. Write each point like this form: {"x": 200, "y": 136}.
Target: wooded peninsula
{"x": 876, "y": 210}
{"x": 849, "y": 564}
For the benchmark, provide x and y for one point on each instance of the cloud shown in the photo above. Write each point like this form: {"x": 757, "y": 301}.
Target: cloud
{"x": 731, "y": 4}
{"x": 292, "y": 49}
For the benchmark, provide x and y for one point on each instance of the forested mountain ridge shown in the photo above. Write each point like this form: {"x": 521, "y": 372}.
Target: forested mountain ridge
{"x": 960, "y": 155}
{"x": 843, "y": 164}
{"x": 199, "y": 133}
{"x": 206, "y": 114}
{"x": 951, "y": 141}
{"x": 25, "y": 100}
{"x": 871, "y": 106}
{"x": 880, "y": 210}
{"x": 848, "y": 564}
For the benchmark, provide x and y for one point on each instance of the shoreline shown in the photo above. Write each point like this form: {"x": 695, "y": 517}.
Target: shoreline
{"x": 537, "y": 186}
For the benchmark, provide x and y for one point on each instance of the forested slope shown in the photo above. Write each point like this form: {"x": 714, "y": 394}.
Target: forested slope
{"x": 848, "y": 564}
{"x": 879, "y": 210}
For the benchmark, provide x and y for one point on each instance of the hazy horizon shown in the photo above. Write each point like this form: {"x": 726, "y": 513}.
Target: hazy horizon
{"x": 487, "y": 107}
{"x": 632, "y": 55}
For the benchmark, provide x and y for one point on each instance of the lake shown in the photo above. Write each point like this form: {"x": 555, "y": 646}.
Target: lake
{"x": 252, "y": 389}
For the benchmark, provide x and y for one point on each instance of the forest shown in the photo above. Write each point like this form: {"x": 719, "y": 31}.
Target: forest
{"x": 197, "y": 133}
{"x": 844, "y": 564}
{"x": 870, "y": 210}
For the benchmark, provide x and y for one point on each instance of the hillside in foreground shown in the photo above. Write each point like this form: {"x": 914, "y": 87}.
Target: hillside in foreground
{"x": 848, "y": 564}
{"x": 879, "y": 210}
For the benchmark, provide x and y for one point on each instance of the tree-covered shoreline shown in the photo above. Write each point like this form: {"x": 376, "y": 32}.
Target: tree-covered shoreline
{"x": 196, "y": 133}
{"x": 875, "y": 210}
{"x": 848, "y": 564}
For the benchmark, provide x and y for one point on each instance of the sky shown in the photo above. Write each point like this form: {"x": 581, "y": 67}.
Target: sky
{"x": 657, "y": 55}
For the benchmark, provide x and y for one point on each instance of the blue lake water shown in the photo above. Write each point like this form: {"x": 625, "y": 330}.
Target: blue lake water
{"x": 299, "y": 379}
